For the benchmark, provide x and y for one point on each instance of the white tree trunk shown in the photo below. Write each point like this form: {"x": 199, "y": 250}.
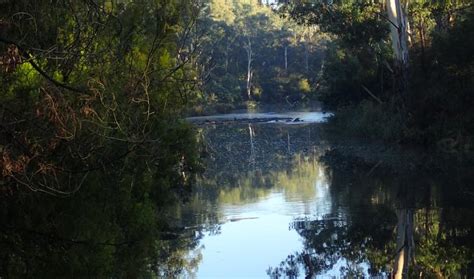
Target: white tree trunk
{"x": 405, "y": 243}
{"x": 399, "y": 37}
{"x": 252, "y": 146}
{"x": 398, "y": 31}
{"x": 286, "y": 58}
{"x": 248, "y": 49}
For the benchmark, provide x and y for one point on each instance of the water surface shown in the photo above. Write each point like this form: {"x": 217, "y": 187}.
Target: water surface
{"x": 275, "y": 201}
{"x": 289, "y": 201}
{"x": 285, "y": 117}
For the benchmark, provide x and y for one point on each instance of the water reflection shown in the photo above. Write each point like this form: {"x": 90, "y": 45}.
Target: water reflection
{"x": 287, "y": 203}
{"x": 114, "y": 227}
{"x": 258, "y": 179}
{"x": 283, "y": 201}
{"x": 386, "y": 224}
{"x": 249, "y": 162}
{"x": 107, "y": 230}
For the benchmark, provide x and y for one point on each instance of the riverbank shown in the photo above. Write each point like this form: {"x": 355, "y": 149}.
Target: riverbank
{"x": 251, "y": 107}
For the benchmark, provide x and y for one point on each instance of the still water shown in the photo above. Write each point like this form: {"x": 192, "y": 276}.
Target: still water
{"x": 272, "y": 117}
{"x": 274, "y": 201}
{"x": 292, "y": 201}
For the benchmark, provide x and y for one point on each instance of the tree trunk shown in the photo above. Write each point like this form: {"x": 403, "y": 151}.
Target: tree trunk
{"x": 421, "y": 30}
{"x": 286, "y": 58}
{"x": 252, "y": 146}
{"x": 226, "y": 63}
{"x": 399, "y": 37}
{"x": 248, "y": 49}
{"x": 288, "y": 142}
{"x": 306, "y": 56}
{"x": 405, "y": 243}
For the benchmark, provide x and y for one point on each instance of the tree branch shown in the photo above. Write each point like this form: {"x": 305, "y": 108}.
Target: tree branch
{"x": 30, "y": 60}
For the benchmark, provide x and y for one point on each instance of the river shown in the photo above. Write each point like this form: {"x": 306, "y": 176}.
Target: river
{"x": 295, "y": 201}
{"x": 279, "y": 195}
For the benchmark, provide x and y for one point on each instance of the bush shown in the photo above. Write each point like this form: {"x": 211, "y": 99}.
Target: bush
{"x": 371, "y": 121}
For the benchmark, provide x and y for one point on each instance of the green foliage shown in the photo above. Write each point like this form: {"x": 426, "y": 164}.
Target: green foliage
{"x": 357, "y": 24}
{"x": 361, "y": 230}
{"x": 93, "y": 150}
{"x": 370, "y": 120}
{"x": 304, "y": 85}
{"x": 359, "y": 67}
{"x": 111, "y": 227}
{"x": 234, "y": 27}
{"x": 441, "y": 97}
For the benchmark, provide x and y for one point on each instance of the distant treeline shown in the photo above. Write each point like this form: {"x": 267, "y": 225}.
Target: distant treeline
{"x": 248, "y": 52}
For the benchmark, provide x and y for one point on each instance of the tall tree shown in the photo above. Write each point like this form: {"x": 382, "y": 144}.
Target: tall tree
{"x": 399, "y": 36}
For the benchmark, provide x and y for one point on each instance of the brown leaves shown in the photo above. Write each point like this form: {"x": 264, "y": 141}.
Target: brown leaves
{"x": 87, "y": 111}
{"x": 10, "y": 59}
{"x": 46, "y": 168}
{"x": 58, "y": 112}
{"x": 11, "y": 166}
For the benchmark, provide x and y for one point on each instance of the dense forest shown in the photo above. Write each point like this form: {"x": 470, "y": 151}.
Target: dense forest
{"x": 403, "y": 77}
{"x": 95, "y": 152}
{"x": 251, "y": 54}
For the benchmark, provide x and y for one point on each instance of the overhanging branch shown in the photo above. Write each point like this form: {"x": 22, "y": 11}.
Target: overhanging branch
{"x": 35, "y": 66}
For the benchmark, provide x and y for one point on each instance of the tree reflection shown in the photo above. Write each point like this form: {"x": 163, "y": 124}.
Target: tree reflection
{"x": 247, "y": 162}
{"x": 118, "y": 225}
{"x": 388, "y": 224}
